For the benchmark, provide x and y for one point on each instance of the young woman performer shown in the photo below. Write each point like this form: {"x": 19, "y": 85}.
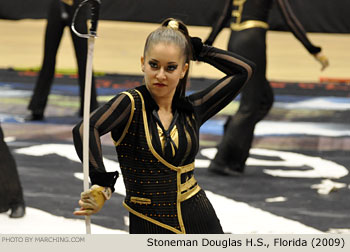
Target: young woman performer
{"x": 248, "y": 22}
{"x": 155, "y": 128}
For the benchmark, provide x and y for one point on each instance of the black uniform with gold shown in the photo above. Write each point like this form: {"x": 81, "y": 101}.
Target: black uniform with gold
{"x": 155, "y": 191}
{"x": 248, "y": 23}
{"x": 157, "y": 165}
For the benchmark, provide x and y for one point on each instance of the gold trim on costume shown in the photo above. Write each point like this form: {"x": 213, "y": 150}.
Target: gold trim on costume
{"x": 248, "y": 25}
{"x": 129, "y": 121}
{"x": 237, "y": 13}
{"x": 190, "y": 193}
{"x": 188, "y": 137}
{"x": 187, "y": 168}
{"x": 188, "y": 189}
{"x": 68, "y": 2}
{"x": 178, "y": 203}
{"x": 138, "y": 200}
{"x": 188, "y": 184}
{"x": 152, "y": 220}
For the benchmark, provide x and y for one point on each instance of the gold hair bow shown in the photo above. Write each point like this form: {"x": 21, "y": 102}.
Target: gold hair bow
{"x": 173, "y": 24}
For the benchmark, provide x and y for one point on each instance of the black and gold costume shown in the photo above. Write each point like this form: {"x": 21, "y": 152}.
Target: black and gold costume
{"x": 60, "y": 15}
{"x": 248, "y": 22}
{"x": 162, "y": 194}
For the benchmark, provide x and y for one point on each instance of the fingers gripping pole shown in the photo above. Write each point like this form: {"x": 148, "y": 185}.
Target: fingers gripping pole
{"x": 87, "y": 92}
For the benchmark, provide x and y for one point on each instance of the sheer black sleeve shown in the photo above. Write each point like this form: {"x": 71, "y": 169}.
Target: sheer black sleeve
{"x": 111, "y": 117}
{"x": 238, "y": 71}
{"x": 224, "y": 17}
{"x": 295, "y": 26}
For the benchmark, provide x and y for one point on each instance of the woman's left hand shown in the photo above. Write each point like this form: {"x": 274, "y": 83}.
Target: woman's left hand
{"x": 197, "y": 47}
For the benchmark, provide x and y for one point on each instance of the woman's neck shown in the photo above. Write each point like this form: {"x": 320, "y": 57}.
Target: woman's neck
{"x": 164, "y": 105}
{"x": 165, "y": 111}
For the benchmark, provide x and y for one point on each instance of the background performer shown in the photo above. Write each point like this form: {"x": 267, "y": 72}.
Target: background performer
{"x": 60, "y": 15}
{"x": 248, "y": 23}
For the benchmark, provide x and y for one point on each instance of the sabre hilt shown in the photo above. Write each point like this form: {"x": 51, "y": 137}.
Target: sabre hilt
{"x": 95, "y": 9}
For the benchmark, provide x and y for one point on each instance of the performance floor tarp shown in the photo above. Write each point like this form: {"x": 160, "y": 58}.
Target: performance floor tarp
{"x": 296, "y": 180}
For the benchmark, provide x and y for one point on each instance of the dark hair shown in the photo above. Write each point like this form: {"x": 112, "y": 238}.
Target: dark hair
{"x": 173, "y": 31}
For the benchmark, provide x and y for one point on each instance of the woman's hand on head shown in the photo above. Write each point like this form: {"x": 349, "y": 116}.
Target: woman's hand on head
{"x": 197, "y": 46}
{"x": 92, "y": 200}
